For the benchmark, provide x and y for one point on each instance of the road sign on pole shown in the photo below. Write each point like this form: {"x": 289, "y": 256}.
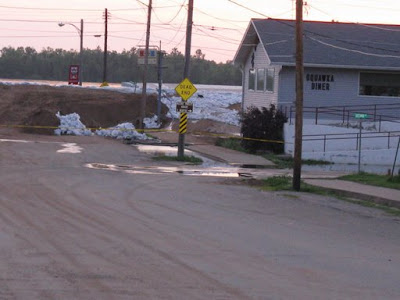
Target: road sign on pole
{"x": 152, "y": 56}
{"x": 185, "y": 89}
{"x": 184, "y": 107}
{"x": 361, "y": 116}
{"x": 73, "y": 76}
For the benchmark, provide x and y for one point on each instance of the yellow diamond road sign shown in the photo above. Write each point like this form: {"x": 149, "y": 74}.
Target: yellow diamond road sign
{"x": 185, "y": 89}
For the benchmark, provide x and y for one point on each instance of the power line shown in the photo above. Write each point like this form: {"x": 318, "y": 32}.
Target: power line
{"x": 248, "y": 8}
{"x": 179, "y": 10}
{"x": 220, "y": 19}
{"x": 346, "y": 3}
{"x": 39, "y": 21}
{"x": 358, "y": 23}
{"x": 37, "y": 36}
{"x": 218, "y": 37}
{"x": 215, "y": 28}
{"x": 123, "y": 37}
{"x": 353, "y": 50}
{"x": 46, "y": 8}
{"x": 65, "y": 9}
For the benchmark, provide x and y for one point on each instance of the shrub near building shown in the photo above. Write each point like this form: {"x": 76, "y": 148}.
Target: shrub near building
{"x": 262, "y": 129}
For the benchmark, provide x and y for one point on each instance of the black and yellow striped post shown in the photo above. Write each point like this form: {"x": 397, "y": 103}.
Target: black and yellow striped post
{"x": 182, "y": 130}
{"x": 183, "y": 123}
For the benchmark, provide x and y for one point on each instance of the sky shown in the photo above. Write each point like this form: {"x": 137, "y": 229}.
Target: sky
{"x": 218, "y": 25}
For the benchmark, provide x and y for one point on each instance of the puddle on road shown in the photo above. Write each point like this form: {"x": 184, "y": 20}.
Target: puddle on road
{"x": 154, "y": 170}
{"x": 15, "y": 141}
{"x": 158, "y": 150}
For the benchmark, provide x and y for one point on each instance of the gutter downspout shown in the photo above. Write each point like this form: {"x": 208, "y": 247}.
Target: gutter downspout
{"x": 243, "y": 87}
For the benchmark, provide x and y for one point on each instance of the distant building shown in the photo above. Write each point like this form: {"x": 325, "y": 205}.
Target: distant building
{"x": 344, "y": 64}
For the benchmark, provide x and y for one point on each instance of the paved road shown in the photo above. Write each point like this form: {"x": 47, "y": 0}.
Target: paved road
{"x": 68, "y": 231}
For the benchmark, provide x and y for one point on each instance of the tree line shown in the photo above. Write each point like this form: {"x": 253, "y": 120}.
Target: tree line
{"x": 53, "y": 64}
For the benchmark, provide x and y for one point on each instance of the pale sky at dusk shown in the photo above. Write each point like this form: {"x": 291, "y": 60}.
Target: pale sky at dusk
{"x": 218, "y": 28}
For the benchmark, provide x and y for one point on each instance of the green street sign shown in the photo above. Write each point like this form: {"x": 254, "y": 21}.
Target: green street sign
{"x": 360, "y": 116}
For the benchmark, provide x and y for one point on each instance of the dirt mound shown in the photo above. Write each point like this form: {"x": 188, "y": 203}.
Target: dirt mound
{"x": 37, "y": 105}
{"x": 33, "y": 108}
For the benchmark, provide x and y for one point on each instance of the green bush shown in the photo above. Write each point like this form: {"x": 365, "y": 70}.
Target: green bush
{"x": 261, "y": 125}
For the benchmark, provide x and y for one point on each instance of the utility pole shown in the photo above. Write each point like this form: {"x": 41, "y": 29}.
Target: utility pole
{"x": 105, "y": 48}
{"x": 146, "y": 66}
{"x": 81, "y": 54}
{"x": 160, "y": 67}
{"x": 80, "y": 31}
{"x": 299, "y": 96}
{"x": 181, "y": 142}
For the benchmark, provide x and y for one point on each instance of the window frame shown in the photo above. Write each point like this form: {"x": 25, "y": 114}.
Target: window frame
{"x": 362, "y": 88}
{"x": 270, "y": 73}
{"x": 251, "y": 85}
{"x": 265, "y": 84}
{"x": 262, "y": 80}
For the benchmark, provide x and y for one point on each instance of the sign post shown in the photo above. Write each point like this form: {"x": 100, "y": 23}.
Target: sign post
{"x": 184, "y": 107}
{"x": 73, "y": 74}
{"x": 360, "y": 117}
{"x": 185, "y": 89}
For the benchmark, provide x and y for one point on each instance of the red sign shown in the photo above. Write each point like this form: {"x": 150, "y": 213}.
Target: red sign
{"x": 142, "y": 52}
{"x": 73, "y": 77}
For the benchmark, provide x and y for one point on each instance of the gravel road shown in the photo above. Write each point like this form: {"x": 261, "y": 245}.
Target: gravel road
{"x": 72, "y": 232}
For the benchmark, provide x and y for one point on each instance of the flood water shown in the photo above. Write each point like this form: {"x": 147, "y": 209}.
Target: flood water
{"x": 118, "y": 84}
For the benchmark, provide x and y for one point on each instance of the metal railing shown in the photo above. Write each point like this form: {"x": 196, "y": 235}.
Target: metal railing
{"x": 352, "y": 136}
{"x": 377, "y": 113}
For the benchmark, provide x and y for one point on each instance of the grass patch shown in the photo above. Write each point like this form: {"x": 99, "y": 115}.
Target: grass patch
{"x": 189, "y": 159}
{"x": 286, "y": 162}
{"x": 277, "y": 183}
{"x": 374, "y": 179}
{"x": 230, "y": 143}
{"x": 284, "y": 183}
{"x": 388, "y": 209}
{"x": 281, "y": 162}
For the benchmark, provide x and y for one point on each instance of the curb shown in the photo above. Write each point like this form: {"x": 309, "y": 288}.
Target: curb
{"x": 364, "y": 197}
{"x": 209, "y": 156}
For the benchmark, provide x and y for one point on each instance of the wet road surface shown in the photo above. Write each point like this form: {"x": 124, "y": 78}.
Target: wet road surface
{"x": 69, "y": 230}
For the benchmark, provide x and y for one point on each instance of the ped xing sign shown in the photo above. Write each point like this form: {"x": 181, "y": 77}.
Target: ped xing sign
{"x": 361, "y": 116}
{"x": 184, "y": 107}
{"x": 185, "y": 89}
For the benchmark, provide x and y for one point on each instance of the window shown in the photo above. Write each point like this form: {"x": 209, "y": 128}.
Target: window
{"x": 252, "y": 79}
{"x": 260, "y": 79}
{"x": 270, "y": 80}
{"x": 380, "y": 84}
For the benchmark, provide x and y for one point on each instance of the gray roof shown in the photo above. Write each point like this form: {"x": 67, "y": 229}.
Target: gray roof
{"x": 326, "y": 44}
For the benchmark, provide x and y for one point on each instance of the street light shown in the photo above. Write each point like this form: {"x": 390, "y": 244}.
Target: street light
{"x": 80, "y": 32}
